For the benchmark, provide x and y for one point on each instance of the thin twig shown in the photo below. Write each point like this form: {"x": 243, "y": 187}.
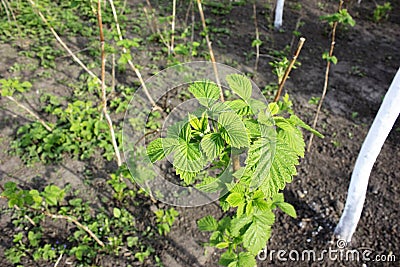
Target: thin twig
{"x": 325, "y": 89}
{"x": 68, "y": 218}
{"x": 6, "y": 9}
{"x": 136, "y": 70}
{"x": 48, "y": 128}
{"x": 113, "y": 73}
{"x": 289, "y": 68}
{"x": 103, "y": 86}
{"x": 58, "y": 260}
{"x": 172, "y": 27}
{"x": 190, "y": 7}
{"x": 77, "y": 60}
{"x": 257, "y": 37}
{"x": 203, "y": 21}
{"x": 192, "y": 31}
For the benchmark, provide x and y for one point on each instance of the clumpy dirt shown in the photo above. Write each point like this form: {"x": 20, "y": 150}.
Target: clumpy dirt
{"x": 368, "y": 58}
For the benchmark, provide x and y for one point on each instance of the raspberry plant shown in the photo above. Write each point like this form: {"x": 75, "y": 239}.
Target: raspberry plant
{"x": 244, "y": 149}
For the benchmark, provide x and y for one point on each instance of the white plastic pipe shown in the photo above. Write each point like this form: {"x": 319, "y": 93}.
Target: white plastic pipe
{"x": 279, "y": 14}
{"x": 383, "y": 123}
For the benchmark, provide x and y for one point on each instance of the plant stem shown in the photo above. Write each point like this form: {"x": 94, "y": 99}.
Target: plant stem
{"x": 77, "y": 60}
{"x": 68, "y": 218}
{"x": 257, "y": 37}
{"x": 136, "y": 70}
{"x": 203, "y": 21}
{"x": 289, "y": 68}
{"x": 58, "y": 260}
{"x": 103, "y": 87}
{"x": 6, "y": 9}
{"x": 325, "y": 89}
{"x": 45, "y": 125}
{"x": 171, "y": 50}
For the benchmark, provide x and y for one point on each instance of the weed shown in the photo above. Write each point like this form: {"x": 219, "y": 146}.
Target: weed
{"x": 381, "y": 12}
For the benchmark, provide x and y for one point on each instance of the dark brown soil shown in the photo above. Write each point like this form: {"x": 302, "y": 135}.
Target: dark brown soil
{"x": 368, "y": 58}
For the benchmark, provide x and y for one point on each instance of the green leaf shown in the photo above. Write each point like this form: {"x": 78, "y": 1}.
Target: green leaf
{"x": 233, "y": 130}
{"x": 188, "y": 157}
{"x": 256, "y": 42}
{"x": 282, "y": 169}
{"x": 53, "y": 195}
{"x": 246, "y": 260}
{"x": 259, "y": 160}
{"x": 159, "y": 148}
{"x": 235, "y": 199}
{"x": 117, "y": 212}
{"x": 222, "y": 245}
{"x": 279, "y": 201}
{"x": 273, "y": 108}
{"x": 258, "y": 233}
{"x": 298, "y": 122}
{"x": 212, "y": 145}
{"x": 238, "y": 223}
{"x": 209, "y": 185}
{"x": 36, "y": 196}
{"x": 291, "y": 135}
{"x": 241, "y": 85}
{"x": 195, "y": 122}
{"x": 187, "y": 176}
{"x": 287, "y": 208}
{"x": 227, "y": 258}
{"x": 208, "y": 223}
{"x": 155, "y": 150}
{"x": 206, "y": 92}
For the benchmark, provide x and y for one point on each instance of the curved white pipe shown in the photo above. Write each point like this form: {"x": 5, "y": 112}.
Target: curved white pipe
{"x": 383, "y": 123}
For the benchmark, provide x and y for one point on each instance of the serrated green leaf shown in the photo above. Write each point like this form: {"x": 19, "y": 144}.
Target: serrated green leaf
{"x": 212, "y": 145}
{"x": 273, "y": 108}
{"x": 187, "y": 176}
{"x": 227, "y": 258}
{"x": 155, "y": 150}
{"x": 175, "y": 130}
{"x": 235, "y": 199}
{"x": 195, "y": 122}
{"x": 205, "y": 92}
{"x": 291, "y": 135}
{"x": 239, "y": 223}
{"x": 188, "y": 157}
{"x": 256, "y": 105}
{"x": 298, "y": 122}
{"x": 233, "y": 130}
{"x": 186, "y": 132}
{"x": 208, "y": 223}
{"x": 246, "y": 260}
{"x": 259, "y": 160}
{"x": 236, "y": 105}
{"x": 241, "y": 85}
{"x": 282, "y": 169}
{"x": 258, "y": 233}
{"x": 209, "y": 185}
